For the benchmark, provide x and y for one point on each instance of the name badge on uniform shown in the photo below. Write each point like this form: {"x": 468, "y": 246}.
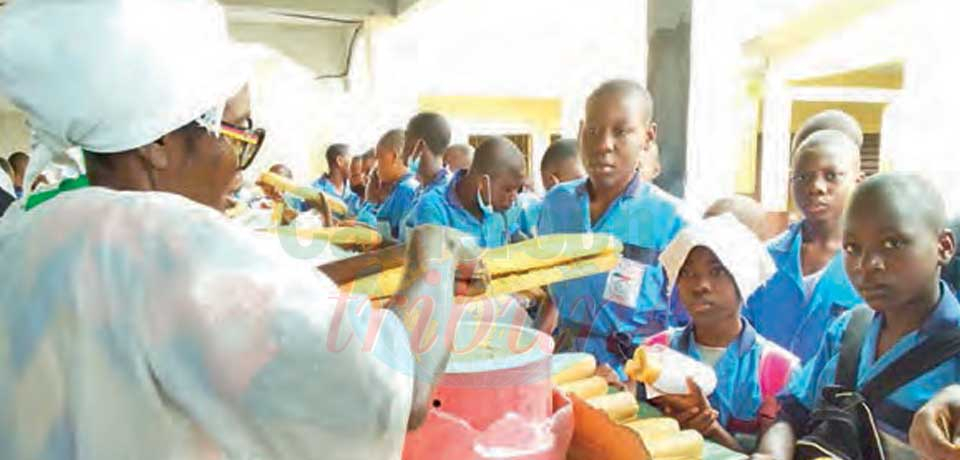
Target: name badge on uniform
{"x": 626, "y": 279}
{"x": 624, "y": 282}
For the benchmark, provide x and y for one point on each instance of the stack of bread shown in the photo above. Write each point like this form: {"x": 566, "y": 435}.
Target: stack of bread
{"x": 574, "y": 374}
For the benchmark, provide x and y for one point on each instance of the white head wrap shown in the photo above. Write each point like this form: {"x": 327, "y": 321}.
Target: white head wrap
{"x": 737, "y": 248}
{"x": 113, "y": 75}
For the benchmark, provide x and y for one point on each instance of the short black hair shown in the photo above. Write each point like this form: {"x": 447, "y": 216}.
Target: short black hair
{"x": 837, "y": 120}
{"x": 393, "y": 138}
{"x": 495, "y": 155}
{"x": 829, "y": 139}
{"x": 336, "y": 151}
{"x": 17, "y": 157}
{"x": 559, "y": 151}
{"x": 910, "y": 192}
{"x": 624, "y": 87}
{"x": 281, "y": 169}
{"x": 433, "y": 129}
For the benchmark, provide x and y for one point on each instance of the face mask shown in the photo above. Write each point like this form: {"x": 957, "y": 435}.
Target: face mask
{"x": 485, "y": 205}
{"x": 414, "y": 164}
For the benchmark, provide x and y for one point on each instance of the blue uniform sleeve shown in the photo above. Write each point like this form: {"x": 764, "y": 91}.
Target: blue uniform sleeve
{"x": 800, "y": 395}
{"x": 428, "y": 211}
{"x": 367, "y": 214}
{"x": 544, "y": 220}
{"x": 406, "y": 198}
{"x": 354, "y": 204}
{"x": 296, "y": 203}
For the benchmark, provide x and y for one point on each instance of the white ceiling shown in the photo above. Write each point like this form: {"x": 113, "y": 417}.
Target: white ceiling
{"x": 316, "y": 33}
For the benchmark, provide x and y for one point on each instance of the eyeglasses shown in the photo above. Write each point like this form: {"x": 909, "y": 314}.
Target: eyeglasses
{"x": 245, "y": 141}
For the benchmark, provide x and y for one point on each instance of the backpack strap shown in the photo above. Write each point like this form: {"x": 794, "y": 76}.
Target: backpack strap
{"x": 853, "y": 335}
{"x": 921, "y": 359}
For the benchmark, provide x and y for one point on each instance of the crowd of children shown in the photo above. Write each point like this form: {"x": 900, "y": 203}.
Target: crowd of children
{"x": 142, "y": 321}
{"x": 868, "y": 267}
{"x": 769, "y": 313}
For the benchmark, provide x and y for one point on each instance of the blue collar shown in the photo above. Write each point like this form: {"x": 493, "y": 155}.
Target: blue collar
{"x": 635, "y": 188}
{"x": 745, "y": 342}
{"x": 438, "y": 180}
{"x": 790, "y": 240}
{"x": 946, "y": 315}
{"x": 325, "y": 178}
{"x": 406, "y": 177}
{"x": 789, "y": 249}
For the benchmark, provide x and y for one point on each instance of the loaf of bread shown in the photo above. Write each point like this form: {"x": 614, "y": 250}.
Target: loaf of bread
{"x": 685, "y": 445}
{"x": 619, "y": 406}
{"x": 570, "y": 367}
{"x": 336, "y": 205}
{"x": 652, "y": 429}
{"x": 586, "y": 388}
{"x": 342, "y": 236}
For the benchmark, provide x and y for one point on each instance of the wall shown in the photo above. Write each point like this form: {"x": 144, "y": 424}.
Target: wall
{"x": 918, "y": 127}
{"x": 540, "y": 117}
{"x": 724, "y": 101}
{"x": 669, "y": 82}
{"x": 868, "y": 114}
{"x": 477, "y": 51}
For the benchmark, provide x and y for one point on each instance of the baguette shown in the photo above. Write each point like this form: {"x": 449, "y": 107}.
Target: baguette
{"x": 336, "y": 205}
{"x": 586, "y": 388}
{"x": 515, "y": 268}
{"x": 619, "y": 406}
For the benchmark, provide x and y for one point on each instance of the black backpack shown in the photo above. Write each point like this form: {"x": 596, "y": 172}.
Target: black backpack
{"x": 843, "y": 426}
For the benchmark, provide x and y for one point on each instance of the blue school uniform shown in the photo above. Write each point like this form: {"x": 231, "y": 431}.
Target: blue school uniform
{"x": 352, "y": 200}
{"x": 645, "y": 219}
{"x": 894, "y": 414}
{"x": 778, "y": 309}
{"x": 527, "y": 212}
{"x": 750, "y": 375}
{"x": 388, "y": 214}
{"x": 442, "y": 207}
{"x": 439, "y": 181}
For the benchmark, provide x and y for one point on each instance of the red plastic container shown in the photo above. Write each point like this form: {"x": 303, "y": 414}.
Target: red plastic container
{"x": 495, "y": 400}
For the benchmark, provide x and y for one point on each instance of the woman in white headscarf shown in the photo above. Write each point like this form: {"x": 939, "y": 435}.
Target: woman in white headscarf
{"x": 136, "y": 321}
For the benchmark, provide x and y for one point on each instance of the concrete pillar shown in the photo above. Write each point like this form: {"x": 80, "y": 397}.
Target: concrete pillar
{"x": 668, "y": 79}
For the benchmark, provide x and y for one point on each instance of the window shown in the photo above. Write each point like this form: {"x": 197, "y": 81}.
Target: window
{"x": 524, "y": 143}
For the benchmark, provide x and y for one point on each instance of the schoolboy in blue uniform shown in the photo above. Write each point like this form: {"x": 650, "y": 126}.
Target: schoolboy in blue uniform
{"x": 714, "y": 264}
{"x": 389, "y": 200}
{"x": 610, "y": 313}
{"x": 895, "y": 243}
{"x": 336, "y": 181}
{"x": 477, "y": 200}
{"x": 427, "y": 138}
{"x": 810, "y": 288}
{"x": 560, "y": 163}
